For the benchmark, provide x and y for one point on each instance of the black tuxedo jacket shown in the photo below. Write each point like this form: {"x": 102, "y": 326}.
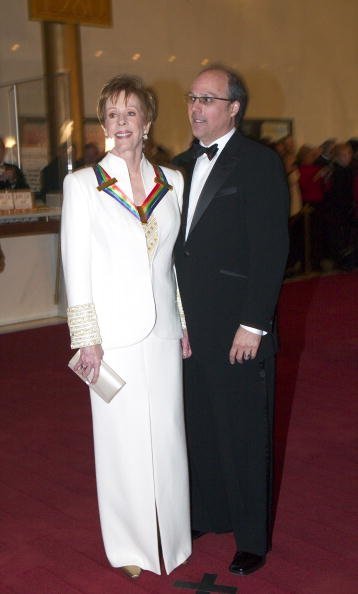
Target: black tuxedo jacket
{"x": 231, "y": 265}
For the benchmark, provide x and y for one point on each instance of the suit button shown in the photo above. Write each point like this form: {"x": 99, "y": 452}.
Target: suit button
{"x": 186, "y": 253}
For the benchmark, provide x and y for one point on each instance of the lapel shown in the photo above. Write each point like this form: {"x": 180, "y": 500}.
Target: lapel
{"x": 189, "y": 168}
{"x": 227, "y": 161}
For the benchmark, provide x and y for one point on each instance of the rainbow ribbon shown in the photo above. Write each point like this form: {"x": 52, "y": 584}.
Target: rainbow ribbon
{"x": 108, "y": 184}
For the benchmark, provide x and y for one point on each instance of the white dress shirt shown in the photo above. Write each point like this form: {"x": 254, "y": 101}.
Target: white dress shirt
{"x": 202, "y": 169}
{"x": 201, "y": 172}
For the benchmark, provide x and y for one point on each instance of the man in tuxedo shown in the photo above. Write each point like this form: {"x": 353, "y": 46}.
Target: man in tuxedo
{"x": 230, "y": 259}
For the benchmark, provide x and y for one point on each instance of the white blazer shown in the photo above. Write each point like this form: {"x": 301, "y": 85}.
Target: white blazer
{"x": 105, "y": 257}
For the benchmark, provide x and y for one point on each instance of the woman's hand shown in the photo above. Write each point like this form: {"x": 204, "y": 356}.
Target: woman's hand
{"x": 90, "y": 362}
{"x": 185, "y": 345}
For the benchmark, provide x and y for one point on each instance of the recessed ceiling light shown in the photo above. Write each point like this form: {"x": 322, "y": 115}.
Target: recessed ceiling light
{"x": 135, "y": 57}
{"x": 15, "y": 47}
{"x": 205, "y": 61}
{"x": 172, "y": 58}
{"x": 98, "y": 53}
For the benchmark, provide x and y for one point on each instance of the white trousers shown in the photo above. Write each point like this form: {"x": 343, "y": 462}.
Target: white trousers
{"x": 141, "y": 459}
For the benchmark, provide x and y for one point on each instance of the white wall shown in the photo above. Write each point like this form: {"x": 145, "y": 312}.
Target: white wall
{"x": 299, "y": 57}
{"x": 28, "y": 282}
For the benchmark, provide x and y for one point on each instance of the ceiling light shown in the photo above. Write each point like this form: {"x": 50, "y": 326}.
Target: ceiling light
{"x": 15, "y": 47}
{"x": 172, "y": 58}
{"x": 66, "y": 130}
{"x": 9, "y": 142}
{"x": 98, "y": 53}
{"x": 205, "y": 61}
{"x": 135, "y": 57}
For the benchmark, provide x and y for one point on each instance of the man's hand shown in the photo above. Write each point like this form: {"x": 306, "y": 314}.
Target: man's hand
{"x": 244, "y": 346}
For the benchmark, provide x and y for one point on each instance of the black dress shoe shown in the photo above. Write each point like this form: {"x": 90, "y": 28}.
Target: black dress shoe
{"x": 245, "y": 563}
{"x": 197, "y": 534}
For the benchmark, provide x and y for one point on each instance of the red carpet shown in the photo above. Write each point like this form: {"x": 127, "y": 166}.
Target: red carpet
{"x": 50, "y": 540}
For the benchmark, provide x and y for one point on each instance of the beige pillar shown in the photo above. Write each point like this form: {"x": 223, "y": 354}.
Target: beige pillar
{"x": 64, "y": 94}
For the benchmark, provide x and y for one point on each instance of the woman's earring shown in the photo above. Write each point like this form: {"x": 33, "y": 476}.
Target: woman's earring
{"x": 145, "y": 136}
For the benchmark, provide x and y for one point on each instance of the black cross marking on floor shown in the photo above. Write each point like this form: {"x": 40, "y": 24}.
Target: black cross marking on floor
{"x": 207, "y": 585}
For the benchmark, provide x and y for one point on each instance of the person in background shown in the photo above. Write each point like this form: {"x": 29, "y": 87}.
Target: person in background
{"x": 120, "y": 221}
{"x": 11, "y": 176}
{"x": 158, "y": 153}
{"x": 340, "y": 208}
{"x": 313, "y": 184}
{"x": 296, "y": 253}
{"x": 230, "y": 258}
{"x": 326, "y": 151}
{"x": 293, "y": 178}
{"x": 353, "y": 142}
{"x": 279, "y": 147}
{"x": 53, "y": 174}
{"x": 290, "y": 146}
{"x": 91, "y": 156}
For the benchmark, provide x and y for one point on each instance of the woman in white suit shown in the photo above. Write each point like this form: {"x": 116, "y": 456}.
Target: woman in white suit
{"x": 120, "y": 221}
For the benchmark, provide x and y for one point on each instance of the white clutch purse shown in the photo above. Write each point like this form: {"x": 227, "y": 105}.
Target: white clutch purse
{"x": 108, "y": 384}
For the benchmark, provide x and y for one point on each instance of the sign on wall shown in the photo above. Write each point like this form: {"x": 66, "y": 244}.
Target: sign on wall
{"x": 81, "y": 12}
{"x": 271, "y": 129}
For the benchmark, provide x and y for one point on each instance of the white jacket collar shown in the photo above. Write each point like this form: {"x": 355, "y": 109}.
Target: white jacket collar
{"x": 117, "y": 167}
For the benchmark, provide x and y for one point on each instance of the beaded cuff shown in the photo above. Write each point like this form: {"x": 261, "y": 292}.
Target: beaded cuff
{"x": 181, "y": 310}
{"x": 83, "y": 325}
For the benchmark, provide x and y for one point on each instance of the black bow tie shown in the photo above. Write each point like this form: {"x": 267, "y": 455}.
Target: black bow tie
{"x": 199, "y": 150}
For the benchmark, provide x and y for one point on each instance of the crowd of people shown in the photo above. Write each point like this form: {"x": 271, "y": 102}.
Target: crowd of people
{"x": 323, "y": 183}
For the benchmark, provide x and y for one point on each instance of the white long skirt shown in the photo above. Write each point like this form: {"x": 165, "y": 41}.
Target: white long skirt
{"x": 141, "y": 459}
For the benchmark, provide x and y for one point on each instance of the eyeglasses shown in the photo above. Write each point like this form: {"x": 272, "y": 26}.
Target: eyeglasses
{"x": 203, "y": 99}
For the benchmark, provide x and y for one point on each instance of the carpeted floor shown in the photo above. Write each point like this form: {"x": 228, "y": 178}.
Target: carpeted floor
{"x": 50, "y": 540}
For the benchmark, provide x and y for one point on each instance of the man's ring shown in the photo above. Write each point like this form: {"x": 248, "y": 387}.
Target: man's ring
{"x": 248, "y": 356}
